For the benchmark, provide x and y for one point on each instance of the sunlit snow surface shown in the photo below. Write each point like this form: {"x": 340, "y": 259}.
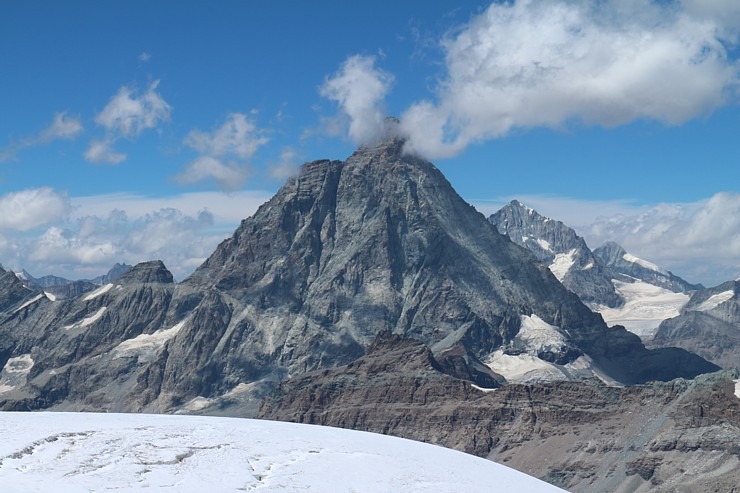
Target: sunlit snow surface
{"x": 69, "y": 452}
{"x": 29, "y": 302}
{"x": 737, "y": 389}
{"x": 100, "y": 291}
{"x": 562, "y": 264}
{"x": 715, "y": 300}
{"x": 645, "y": 307}
{"x": 643, "y": 263}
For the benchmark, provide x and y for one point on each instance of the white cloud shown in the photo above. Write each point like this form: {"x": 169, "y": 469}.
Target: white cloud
{"x": 537, "y": 63}
{"x": 359, "y": 88}
{"x": 64, "y": 127}
{"x": 30, "y": 209}
{"x": 145, "y": 57}
{"x": 101, "y": 151}
{"x": 238, "y": 137}
{"x": 224, "y": 152}
{"x": 127, "y": 114}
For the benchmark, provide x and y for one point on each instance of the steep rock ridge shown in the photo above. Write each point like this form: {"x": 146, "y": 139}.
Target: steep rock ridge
{"x": 582, "y": 436}
{"x": 709, "y": 325}
{"x": 560, "y": 248}
{"x": 629, "y": 267}
{"x": 379, "y": 243}
{"x": 70, "y": 345}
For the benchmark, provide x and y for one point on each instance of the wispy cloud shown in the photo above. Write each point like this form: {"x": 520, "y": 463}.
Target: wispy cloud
{"x": 224, "y": 152}
{"x": 64, "y": 127}
{"x": 286, "y": 166}
{"x": 359, "y": 88}
{"x": 537, "y": 63}
{"x": 144, "y": 57}
{"x": 127, "y": 115}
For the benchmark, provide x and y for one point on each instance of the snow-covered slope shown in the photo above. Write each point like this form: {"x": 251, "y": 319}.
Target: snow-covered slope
{"x": 645, "y": 307}
{"x": 69, "y": 452}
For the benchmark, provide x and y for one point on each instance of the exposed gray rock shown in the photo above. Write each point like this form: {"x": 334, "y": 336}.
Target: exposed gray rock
{"x": 620, "y": 262}
{"x": 709, "y": 325}
{"x": 560, "y": 247}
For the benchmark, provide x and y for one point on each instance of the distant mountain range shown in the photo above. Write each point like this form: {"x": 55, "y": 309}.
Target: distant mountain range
{"x": 367, "y": 282}
{"x": 61, "y": 288}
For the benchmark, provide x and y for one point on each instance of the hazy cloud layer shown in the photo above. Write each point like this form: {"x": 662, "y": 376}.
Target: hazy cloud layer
{"x": 127, "y": 115}
{"x": 224, "y": 152}
{"x": 544, "y": 63}
{"x": 64, "y": 127}
{"x": 87, "y": 235}
{"x": 359, "y": 88}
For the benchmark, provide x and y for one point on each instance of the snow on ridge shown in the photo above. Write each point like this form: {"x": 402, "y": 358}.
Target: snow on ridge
{"x": 21, "y": 276}
{"x": 50, "y": 296}
{"x": 715, "y": 300}
{"x": 644, "y": 263}
{"x": 150, "y": 341}
{"x": 87, "y": 320}
{"x": 190, "y": 454}
{"x": 100, "y": 291}
{"x": 562, "y": 264}
{"x": 29, "y": 302}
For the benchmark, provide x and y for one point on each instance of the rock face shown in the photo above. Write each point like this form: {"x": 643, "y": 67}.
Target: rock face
{"x": 561, "y": 249}
{"x": 709, "y": 325}
{"x": 582, "y": 436}
{"x": 345, "y": 251}
{"x": 622, "y": 263}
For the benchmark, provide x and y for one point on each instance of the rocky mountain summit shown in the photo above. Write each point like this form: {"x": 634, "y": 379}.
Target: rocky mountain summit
{"x": 562, "y": 250}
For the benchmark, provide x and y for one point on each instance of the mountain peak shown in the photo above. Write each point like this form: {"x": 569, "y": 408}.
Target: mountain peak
{"x": 152, "y": 271}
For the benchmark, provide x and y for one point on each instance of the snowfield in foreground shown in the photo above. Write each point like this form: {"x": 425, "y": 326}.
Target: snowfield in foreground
{"x": 76, "y": 452}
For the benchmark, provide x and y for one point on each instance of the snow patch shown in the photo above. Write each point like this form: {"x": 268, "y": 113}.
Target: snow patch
{"x": 715, "y": 300}
{"x": 150, "y": 341}
{"x": 523, "y": 368}
{"x": 87, "y": 320}
{"x": 21, "y": 276}
{"x": 588, "y": 266}
{"x": 544, "y": 244}
{"x": 538, "y": 335}
{"x": 562, "y": 264}
{"x": 14, "y": 372}
{"x": 191, "y": 454}
{"x": 50, "y": 296}
{"x": 643, "y": 263}
{"x": 645, "y": 307}
{"x": 482, "y": 389}
{"x": 100, "y": 291}
{"x": 29, "y": 302}
{"x": 737, "y": 388}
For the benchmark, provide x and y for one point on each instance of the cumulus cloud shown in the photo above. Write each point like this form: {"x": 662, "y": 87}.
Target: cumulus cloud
{"x": 33, "y": 208}
{"x": 224, "y": 152}
{"x": 538, "y": 63}
{"x": 359, "y": 88}
{"x": 127, "y": 115}
{"x": 64, "y": 127}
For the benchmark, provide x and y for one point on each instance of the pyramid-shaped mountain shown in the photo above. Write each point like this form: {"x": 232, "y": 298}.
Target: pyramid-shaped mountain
{"x": 345, "y": 251}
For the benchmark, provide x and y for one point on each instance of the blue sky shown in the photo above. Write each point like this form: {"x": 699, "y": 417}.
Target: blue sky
{"x": 139, "y": 130}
